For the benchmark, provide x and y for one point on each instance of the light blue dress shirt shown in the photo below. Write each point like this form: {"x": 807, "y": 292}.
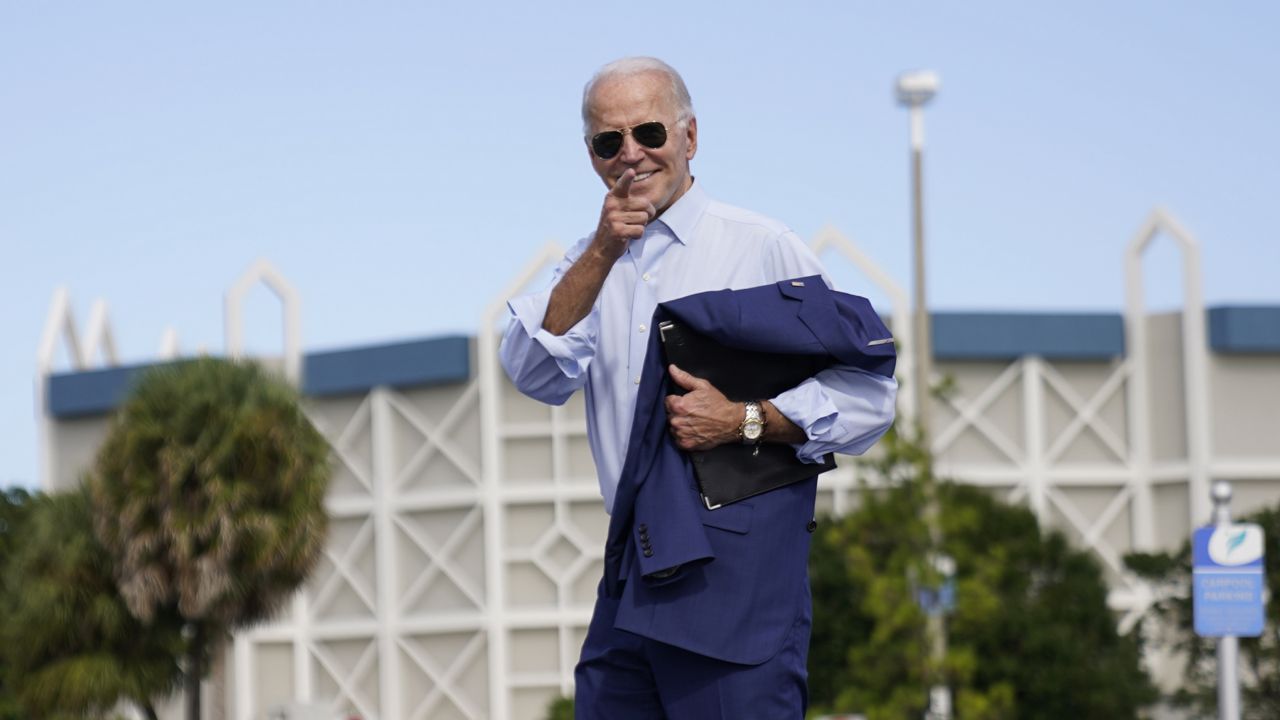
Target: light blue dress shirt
{"x": 698, "y": 244}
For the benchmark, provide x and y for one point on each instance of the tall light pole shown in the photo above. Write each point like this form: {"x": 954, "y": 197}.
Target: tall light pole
{"x": 914, "y": 90}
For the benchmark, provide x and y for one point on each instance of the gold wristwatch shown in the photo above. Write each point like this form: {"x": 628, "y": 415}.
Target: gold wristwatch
{"x": 752, "y": 428}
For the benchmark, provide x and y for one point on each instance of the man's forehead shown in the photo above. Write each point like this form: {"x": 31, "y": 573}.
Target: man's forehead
{"x": 615, "y": 99}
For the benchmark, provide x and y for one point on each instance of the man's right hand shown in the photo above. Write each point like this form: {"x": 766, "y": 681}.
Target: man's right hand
{"x": 622, "y": 219}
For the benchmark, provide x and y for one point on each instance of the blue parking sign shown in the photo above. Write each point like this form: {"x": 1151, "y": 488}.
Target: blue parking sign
{"x": 1228, "y": 580}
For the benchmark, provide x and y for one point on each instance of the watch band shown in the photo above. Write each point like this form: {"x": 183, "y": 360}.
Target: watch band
{"x": 751, "y": 431}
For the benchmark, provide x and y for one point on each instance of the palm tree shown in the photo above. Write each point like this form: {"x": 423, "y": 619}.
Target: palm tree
{"x": 209, "y": 495}
{"x": 68, "y": 644}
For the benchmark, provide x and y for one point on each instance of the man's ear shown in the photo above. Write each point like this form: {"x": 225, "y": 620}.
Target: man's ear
{"x": 692, "y": 131}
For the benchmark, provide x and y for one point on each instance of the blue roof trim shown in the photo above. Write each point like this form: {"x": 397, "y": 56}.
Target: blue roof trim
{"x": 1004, "y": 336}
{"x": 91, "y": 392}
{"x": 956, "y": 336}
{"x": 419, "y": 362}
{"x": 1240, "y": 329}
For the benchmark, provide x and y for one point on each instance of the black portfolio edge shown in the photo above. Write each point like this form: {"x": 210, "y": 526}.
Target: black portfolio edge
{"x": 733, "y": 472}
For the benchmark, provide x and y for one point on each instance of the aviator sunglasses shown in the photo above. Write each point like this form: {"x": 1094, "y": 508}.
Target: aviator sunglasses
{"x": 652, "y": 135}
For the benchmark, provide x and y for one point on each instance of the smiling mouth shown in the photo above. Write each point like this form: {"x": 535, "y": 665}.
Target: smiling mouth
{"x": 644, "y": 176}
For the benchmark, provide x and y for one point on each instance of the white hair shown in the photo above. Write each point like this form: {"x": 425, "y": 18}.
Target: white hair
{"x": 631, "y": 66}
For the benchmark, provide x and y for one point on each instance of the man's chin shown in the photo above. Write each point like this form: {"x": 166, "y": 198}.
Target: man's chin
{"x": 659, "y": 195}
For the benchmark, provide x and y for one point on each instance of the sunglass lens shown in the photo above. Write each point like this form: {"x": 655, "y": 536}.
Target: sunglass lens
{"x": 607, "y": 144}
{"x": 650, "y": 134}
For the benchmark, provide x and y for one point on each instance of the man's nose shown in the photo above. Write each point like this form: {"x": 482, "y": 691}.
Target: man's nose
{"x": 632, "y": 152}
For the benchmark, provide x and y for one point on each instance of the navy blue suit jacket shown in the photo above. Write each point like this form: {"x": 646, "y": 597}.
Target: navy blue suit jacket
{"x": 741, "y": 582}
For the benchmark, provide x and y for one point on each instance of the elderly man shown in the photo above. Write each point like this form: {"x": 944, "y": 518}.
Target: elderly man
{"x": 683, "y": 643}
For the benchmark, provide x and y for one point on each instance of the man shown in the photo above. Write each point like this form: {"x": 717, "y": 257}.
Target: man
{"x": 660, "y": 237}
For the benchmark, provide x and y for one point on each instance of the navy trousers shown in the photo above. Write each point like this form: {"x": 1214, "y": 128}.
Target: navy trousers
{"x": 622, "y": 676}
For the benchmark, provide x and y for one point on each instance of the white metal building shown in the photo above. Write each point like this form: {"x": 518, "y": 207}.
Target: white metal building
{"x": 467, "y": 527}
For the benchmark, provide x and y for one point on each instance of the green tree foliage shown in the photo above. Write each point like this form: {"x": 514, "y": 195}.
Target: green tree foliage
{"x": 209, "y": 495}
{"x": 1170, "y": 624}
{"x": 13, "y": 510}
{"x": 14, "y": 507}
{"x": 68, "y": 644}
{"x": 1031, "y": 636}
{"x": 560, "y": 708}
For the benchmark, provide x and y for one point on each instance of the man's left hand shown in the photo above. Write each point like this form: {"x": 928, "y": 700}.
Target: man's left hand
{"x": 702, "y": 418}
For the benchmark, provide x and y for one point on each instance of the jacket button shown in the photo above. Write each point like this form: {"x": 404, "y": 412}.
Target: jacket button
{"x": 648, "y": 552}
{"x": 813, "y": 525}
{"x": 642, "y": 528}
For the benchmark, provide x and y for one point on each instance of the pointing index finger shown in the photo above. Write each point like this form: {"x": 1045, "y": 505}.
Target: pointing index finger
{"x": 622, "y": 188}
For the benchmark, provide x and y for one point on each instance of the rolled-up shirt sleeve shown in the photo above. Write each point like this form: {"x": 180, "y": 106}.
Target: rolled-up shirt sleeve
{"x": 547, "y": 367}
{"x": 841, "y": 409}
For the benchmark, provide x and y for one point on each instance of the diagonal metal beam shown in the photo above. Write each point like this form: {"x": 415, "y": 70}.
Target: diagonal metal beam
{"x": 442, "y": 559}
{"x": 971, "y": 415}
{"x": 345, "y": 679}
{"x": 1087, "y": 411}
{"x": 435, "y": 435}
{"x": 343, "y": 570}
{"x": 444, "y": 680}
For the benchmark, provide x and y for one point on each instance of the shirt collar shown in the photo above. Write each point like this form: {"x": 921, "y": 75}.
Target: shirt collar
{"x": 683, "y": 215}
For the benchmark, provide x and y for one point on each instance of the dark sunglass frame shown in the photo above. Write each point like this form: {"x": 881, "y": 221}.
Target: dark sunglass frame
{"x": 608, "y": 144}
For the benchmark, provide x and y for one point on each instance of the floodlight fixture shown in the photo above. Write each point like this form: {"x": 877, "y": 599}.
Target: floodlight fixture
{"x": 917, "y": 87}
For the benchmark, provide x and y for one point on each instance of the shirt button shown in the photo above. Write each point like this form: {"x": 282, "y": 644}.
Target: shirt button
{"x": 637, "y": 379}
{"x": 643, "y": 328}
{"x": 645, "y": 277}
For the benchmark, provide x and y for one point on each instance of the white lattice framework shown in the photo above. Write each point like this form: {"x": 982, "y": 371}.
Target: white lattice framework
{"x": 467, "y": 530}
{"x": 1034, "y": 468}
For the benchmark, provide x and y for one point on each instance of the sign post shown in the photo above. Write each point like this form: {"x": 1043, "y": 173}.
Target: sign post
{"x": 1228, "y": 583}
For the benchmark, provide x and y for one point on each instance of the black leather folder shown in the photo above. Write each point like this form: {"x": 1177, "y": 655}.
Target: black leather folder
{"x": 733, "y": 472}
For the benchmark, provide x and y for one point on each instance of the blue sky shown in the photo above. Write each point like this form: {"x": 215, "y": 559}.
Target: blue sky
{"x": 401, "y": 162}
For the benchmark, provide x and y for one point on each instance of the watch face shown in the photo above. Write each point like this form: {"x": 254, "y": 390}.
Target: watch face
{"x": 751, "y": 430}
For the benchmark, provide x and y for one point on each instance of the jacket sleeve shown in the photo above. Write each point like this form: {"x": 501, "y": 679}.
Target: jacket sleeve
{"x": 547, "y": 367}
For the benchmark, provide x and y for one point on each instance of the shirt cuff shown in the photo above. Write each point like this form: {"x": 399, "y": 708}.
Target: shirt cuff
{"x": 812, "y": 410}
{"x": 571, "y": 351}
